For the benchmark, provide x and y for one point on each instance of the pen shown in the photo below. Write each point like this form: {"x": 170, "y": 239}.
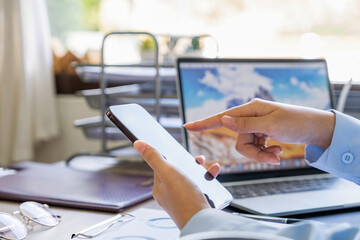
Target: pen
{"x": 270, "y": 219}
{"x": 119, "y": 218}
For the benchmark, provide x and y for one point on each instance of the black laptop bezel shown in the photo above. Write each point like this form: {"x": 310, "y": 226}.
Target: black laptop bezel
{"x": 227, "y": 177}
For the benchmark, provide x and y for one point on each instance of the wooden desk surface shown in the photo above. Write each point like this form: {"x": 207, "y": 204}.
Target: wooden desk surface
{"x": 75, "y": 220}
{"x": 72, "y": 220}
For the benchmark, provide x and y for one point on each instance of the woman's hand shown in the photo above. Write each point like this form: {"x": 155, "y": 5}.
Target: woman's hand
{"x": 259, "y": 120}
{"x": 177, "y": 194}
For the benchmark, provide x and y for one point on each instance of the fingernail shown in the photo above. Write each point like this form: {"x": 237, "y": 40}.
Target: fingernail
{"x": 140, "y": 146}
{"x": 274, "y": 162}
{"x": 187, "y": 124}
{"x": 278, "y": 153}
{"x": 228, "y": 120}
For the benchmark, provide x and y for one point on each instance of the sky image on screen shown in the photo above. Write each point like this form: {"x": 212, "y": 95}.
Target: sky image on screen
{"x": 213, "y": 87}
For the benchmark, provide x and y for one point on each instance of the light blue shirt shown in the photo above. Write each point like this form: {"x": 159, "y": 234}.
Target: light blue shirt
{"x": 342, "y": 158}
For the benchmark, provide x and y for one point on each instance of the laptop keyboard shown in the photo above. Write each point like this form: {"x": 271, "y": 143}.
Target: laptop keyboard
{"x": 270, "y": 188}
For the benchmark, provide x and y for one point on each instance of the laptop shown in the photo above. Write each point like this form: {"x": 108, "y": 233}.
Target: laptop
{"x": 209, "y": 86}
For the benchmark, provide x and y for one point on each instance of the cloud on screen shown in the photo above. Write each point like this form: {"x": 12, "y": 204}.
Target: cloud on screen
{"x": 294, "y": 81}
{"x": 232, "y": 82}
{"x": 240, "y": 81}
{"x": 200, "y": 93}
{"x": 319, "y": 98}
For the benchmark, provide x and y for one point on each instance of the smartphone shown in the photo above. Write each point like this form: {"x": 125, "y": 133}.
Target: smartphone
{"x": 137, "y": 124}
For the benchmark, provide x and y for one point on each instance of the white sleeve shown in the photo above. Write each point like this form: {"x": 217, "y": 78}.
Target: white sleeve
{"x": 342, "y": 158}
{"x": 208, "y": 220}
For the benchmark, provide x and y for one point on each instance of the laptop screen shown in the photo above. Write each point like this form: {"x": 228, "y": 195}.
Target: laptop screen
{"x": 209, "y": 86}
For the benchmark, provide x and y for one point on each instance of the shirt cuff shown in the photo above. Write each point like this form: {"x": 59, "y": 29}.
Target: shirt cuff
{"x": 216, "y": 220}
{"x": 199, "y": 222}
{"x": 313, "y": 153}
{"x": 342, "y": 157}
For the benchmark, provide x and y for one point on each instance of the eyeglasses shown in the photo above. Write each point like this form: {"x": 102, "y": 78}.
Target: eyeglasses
{"x": 11, "y": 228}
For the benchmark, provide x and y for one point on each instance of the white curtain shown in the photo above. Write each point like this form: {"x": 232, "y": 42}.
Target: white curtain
{"x": 27, "y": 93}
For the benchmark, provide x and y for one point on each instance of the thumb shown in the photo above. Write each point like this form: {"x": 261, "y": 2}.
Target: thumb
{"x": 245, "y": 124}
{"x": 152, "y": 157}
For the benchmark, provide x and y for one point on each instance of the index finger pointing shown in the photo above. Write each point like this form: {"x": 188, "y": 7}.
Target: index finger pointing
{"x": 152, "y": 157}
{"x": 214, "y": 121}
{"x": 206, "y": 123}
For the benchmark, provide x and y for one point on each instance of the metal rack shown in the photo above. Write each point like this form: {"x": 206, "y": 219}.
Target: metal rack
{"x": 103, "y": 83}
{"x": 155, "y": 90}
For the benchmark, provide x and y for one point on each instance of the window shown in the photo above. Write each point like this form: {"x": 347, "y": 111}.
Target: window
{"x": 242, "y": 28}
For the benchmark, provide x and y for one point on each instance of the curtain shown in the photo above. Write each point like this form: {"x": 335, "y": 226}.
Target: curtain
{"x": 27, "y": 93}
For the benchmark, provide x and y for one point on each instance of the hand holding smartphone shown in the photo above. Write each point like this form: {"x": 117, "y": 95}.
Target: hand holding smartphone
{"x": 137, "y": 124}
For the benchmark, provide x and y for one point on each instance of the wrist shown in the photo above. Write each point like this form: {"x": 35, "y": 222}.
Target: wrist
{"x": 190, "y": 212}
{"x": 325, "y": 128}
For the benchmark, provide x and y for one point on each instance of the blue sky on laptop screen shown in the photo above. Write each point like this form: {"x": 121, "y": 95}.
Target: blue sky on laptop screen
{"x": 228, "y": 83}
{"x": 209, "y": 88}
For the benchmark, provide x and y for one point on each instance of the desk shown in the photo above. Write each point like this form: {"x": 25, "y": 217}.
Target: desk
{"x": 74, "y": 220}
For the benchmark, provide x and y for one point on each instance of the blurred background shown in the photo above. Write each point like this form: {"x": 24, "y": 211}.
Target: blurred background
{"x": 242, "y": 28}
{"x": 44, "y": 43}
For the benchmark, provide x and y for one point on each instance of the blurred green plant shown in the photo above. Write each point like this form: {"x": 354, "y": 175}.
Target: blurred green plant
{"x": 148, "y": 45}
{"x": 90, "y": 14}
{"x": 68, "y": 15}
{"x": 195, "y": 43}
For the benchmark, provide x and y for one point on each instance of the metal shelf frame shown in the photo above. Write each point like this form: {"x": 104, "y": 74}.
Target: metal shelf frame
{"x": 103, "y": 81}
{"x": 154, "y": 88}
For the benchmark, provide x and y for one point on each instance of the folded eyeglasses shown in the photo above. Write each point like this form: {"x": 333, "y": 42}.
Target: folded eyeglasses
{"x": 11, "y": 228}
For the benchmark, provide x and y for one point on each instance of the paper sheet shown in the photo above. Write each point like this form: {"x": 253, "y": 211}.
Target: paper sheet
{"x": 149, "y": 224}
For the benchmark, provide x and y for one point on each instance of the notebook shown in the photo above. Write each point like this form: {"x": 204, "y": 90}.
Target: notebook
{"x": 65, "y": 186}
{"x": 209, "y": 86}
